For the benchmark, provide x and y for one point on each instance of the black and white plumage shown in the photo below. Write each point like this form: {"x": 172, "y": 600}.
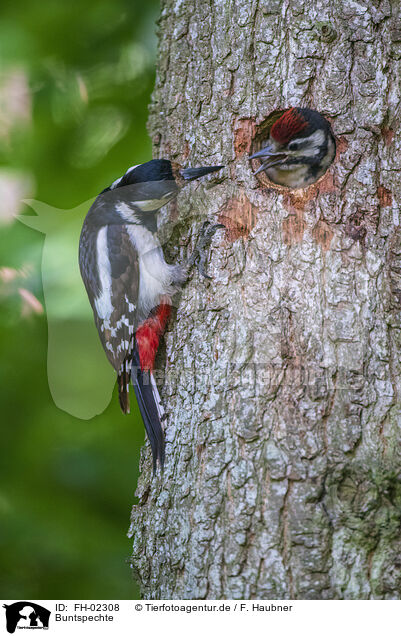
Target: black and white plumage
{"x": 129, "y": 283}
{"x": 299, "y": 149}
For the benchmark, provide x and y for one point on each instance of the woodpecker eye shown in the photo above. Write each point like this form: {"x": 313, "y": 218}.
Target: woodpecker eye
{"x": 294, "y": 145}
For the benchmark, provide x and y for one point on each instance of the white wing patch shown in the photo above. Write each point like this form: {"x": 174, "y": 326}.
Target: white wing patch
{"x": 103, "y": 302}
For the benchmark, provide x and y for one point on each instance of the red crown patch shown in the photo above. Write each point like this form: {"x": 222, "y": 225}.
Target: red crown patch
{"x": 287, "y": 126}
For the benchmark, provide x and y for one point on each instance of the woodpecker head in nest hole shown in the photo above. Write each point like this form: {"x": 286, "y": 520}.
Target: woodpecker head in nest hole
{"x": 299, "y": 149}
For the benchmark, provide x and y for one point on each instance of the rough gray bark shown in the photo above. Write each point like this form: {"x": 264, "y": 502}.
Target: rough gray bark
{"x": 283, "y": 474}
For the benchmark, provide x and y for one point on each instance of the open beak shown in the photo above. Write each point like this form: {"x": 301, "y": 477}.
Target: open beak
{"x": 194, "y": 173}
{"x": 269, "y": 158}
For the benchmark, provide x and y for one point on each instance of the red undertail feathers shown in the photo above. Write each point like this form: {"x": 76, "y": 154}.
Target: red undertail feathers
{"x": 148, "y": 336}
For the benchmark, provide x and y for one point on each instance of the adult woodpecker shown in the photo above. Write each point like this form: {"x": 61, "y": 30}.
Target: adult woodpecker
{"x": 300, "y": 148}
{"x": 128, "y": 282}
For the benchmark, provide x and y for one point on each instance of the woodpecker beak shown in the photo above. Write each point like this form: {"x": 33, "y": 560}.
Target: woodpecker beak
{"x": 269, "y": 158}
{"x": 194, "y": 173}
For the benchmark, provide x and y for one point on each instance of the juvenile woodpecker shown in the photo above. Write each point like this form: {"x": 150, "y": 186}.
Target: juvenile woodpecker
{"x": 128, "y": 282}
{"x": 300, "y": 148}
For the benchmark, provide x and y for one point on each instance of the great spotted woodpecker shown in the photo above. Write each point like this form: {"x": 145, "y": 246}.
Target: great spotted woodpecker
{"x": 300, "y": 148}
{"x": 128, "y": 282}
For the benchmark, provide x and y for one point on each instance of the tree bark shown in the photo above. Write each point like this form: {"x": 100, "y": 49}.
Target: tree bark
{"x": 283, "y": 374}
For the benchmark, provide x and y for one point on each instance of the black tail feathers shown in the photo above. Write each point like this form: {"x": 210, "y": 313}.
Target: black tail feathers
{"x": 149, "y": 406}
{"x": 123, "y": 379}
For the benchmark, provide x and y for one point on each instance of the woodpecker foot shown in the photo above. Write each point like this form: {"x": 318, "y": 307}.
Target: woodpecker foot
{"x": 200, "y": 253}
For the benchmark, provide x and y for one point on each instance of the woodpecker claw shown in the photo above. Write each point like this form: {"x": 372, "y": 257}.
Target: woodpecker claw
{"x": 199, "y": 255}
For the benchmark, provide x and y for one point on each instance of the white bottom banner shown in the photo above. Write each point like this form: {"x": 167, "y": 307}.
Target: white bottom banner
{"x": 143, "y": 617}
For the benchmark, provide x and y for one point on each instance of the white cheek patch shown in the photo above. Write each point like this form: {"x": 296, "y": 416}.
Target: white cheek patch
{"x": 331, "y": 151}
{"x": 151, "y": 205}
{"x": 312, "y": 143}
{"x": 127, "y": 212}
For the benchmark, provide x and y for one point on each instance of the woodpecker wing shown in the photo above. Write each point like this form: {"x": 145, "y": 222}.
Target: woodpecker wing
{"x": 124, "y": 273}
{"x": 110, "y": 271}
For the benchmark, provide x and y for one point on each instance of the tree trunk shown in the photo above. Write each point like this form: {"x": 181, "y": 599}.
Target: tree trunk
{"x": 283, "y": 374}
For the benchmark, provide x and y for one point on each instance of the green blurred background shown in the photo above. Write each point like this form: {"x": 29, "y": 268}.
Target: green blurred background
{"x": 75, "y": 82}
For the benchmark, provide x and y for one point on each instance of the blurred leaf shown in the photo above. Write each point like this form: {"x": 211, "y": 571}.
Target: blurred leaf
{"x": 102, "y": 128}
{"x": 69, "y": 98}
{"x": 14, "y": 187}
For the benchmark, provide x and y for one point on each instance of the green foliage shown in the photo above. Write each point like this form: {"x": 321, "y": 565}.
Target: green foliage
{"x": 75, "y": 83}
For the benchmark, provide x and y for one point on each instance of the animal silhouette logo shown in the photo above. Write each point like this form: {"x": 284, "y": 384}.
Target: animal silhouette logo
{"x": 81, "y": 380}
{"x": 26, "y": 615}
